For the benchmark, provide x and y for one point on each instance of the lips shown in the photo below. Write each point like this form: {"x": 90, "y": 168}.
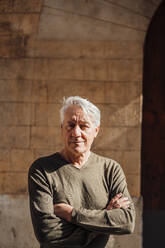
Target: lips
{"x": 76, "y": 141}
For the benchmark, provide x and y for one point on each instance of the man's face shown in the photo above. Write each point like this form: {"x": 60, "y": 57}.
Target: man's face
{"x": 78, "y": 131}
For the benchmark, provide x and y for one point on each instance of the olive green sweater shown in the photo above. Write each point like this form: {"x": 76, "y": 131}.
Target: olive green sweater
{"x": 52, "y": 180}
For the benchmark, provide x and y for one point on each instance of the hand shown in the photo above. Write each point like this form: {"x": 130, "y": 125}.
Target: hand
{"x": 118, "y": 202}
{"x": 63, "y": 210}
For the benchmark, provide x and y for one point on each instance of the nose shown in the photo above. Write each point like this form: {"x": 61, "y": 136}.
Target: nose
{"x": 76, "y": 131}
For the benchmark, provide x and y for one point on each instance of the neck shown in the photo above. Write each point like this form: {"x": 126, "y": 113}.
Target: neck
{"x": 78, "y": 160}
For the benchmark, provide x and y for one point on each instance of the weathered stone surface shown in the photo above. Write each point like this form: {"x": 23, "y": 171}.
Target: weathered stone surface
{"x": 15, "y": 90}
{"x": 133, "y": 138}
{"x": 118, "y": 138}
{"x": 46, "y": 137}
{"x": 95, "y": 69}
{"x": 84, "y": 49}
{"x": 47, "y": 115}
{"x": 102, "y": 11}
{"x": 18, "y": 23}
{"x": 14, "y": 137}
{"x": 131, "y": 162}
{"x": 146, "y": 8}
{"x": 115, "y": 115}
{"x": 83, "y": 28}
{"x": 125, "y": 70}
{"x": 21, "y": 159}
{"x": 92, "y": 90}
{"x": 20, "y": 6}
{"x": 4, "y": 160}
{"x": 52, "y": 69}
{"x": 15, "y": 222}
{"x": 16, "y": 69}
{"x": 53, "y": 48}
{"x": 15, "y": 114}
{"x": 123, "y": 49}
{"x": 134, "y": 184}
{"x": 39, "y": 91}
{"x": 119, "y": 92}
{"x": 111, "y": 138}
{"x": 13, "y": 183}
{"x": 13, "y": 46}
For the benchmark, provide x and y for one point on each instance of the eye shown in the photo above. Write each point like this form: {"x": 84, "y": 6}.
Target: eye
{"x": 70, "y": 125}
{"x": 84, "y": 126}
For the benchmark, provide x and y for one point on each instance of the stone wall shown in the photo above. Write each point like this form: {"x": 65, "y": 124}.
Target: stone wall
{"x": 55, "y": 48}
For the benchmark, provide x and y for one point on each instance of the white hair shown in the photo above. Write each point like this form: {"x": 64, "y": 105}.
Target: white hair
{"x": 87, "y": 107}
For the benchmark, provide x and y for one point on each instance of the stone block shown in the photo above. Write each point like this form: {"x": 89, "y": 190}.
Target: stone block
{"x": 115, "y": 115}
{"x": 15, "y": 114}
{"x": 131, "y": 162}
{"x": 18, "y": 23}
{"x": 15, "y": 222}
{"x": 133, "y": 138}
{"x": 123, "y": 49}
{"x": 21, "y": 159}
{"x": 16, "y": 69}
{"x": 13, "y": 46}
{"x": 46, "y": 138}
{"x": 145, "y": 8}
{"x": 94, "y": 91}
{"x": 118, "y": 138}
{"x": 20, "y": 6}
{"x": 113, "y": 138}
{"x": 93, "y": 49}
{"x": 133, "y": 182}
{"x": 112, "y": 115}
{"x": 52, "y": 69}
{"x": 125, "y": 70}
{"x": 15, "y": 90}
{"x": 39, "y": 91}
{"x": 95, "y": 69}
{"x": 83, "y": 28}
{"x": 47, "y": 115}
{"x": 121, "y": 93}
{"x": 133, "y": 113}
{"x": 103, "y": 12}
{"x": 84, "y": 49}
{"x": 54, "y": 48}
{"x": 14, "y": 137}
{"x": 4, "y": 160}
{"x": 13, "y": 183}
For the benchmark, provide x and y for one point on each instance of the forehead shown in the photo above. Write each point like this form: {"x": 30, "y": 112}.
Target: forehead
{"x": 76, "y": 113}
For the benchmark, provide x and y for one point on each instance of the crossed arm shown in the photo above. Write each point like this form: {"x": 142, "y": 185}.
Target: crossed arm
{"x": 64, "y": 210}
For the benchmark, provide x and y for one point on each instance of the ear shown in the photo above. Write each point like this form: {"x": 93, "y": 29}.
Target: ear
{"x": 97, "y": 131}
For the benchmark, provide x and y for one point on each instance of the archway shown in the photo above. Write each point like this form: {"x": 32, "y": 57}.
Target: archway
{"x": 153, "y": 132}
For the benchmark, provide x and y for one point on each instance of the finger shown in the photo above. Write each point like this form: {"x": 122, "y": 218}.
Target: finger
{"x": 122, "y": 199}
{"x": 124, "y": 204}
{"x": 116, "y": 197}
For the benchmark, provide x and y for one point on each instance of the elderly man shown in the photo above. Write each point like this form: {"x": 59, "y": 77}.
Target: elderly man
{"x": 77, "y": 198}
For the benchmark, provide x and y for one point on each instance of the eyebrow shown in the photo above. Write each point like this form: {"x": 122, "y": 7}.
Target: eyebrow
{"x": 82, "y": 122}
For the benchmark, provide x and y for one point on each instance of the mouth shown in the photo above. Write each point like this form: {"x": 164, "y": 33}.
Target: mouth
{"x": 76, "y": 142}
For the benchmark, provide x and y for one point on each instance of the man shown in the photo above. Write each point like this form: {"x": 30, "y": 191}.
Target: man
{"x": 77, "y": 198}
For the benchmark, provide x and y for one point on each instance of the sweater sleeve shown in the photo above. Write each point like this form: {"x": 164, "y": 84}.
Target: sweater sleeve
{"x": 49, "y": 229}
{"x": 115, "y": 221}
